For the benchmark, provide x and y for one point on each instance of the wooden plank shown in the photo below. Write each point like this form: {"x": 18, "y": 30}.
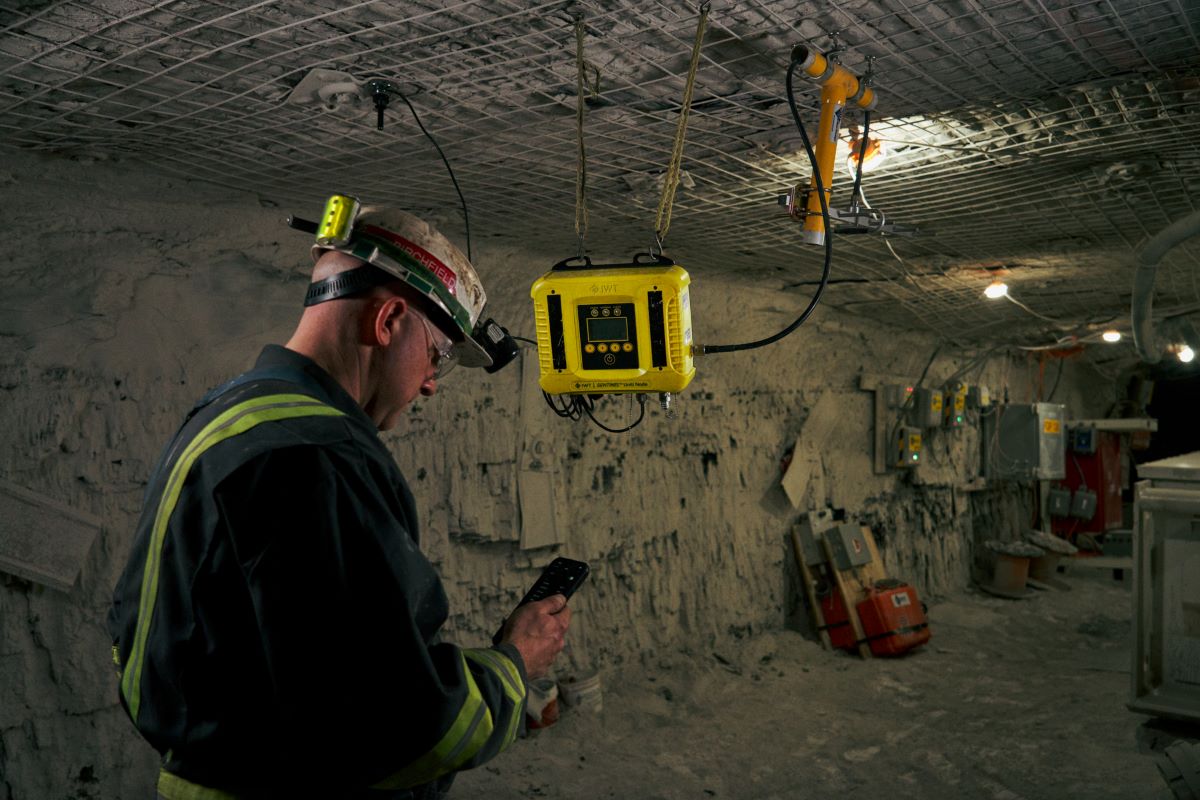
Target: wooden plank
{"x": 818, "y": 616}
{"x": 881, "y": 431}
{"x": 870, "y": 382}
{"x": 874, "y": 571}
{"x": 841, "y": 582}
{"x": 881, "y": 434}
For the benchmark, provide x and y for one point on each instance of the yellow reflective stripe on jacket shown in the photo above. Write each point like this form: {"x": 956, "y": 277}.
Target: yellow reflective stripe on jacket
{"x": 510, "y": 679}
{"x": 238, "y": 419}
{"x": 467, "y": 735}
{"x": 507, "y": 671}
{"x": 173, "y": 787}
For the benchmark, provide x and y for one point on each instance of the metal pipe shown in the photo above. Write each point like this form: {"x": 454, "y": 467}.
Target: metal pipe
{"x": 838, "y": 86}
{"x": 1142, "y": 306}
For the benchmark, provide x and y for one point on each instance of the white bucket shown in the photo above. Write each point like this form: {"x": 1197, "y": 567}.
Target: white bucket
{"x": 582, "y": 691}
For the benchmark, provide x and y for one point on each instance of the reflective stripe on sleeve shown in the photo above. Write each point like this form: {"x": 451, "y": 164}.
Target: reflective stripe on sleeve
{"x": 173, "y": 787}
{"x": 238, "y": 419}
{"x": 510, "y": 679}
{"x": 507, "y": 671}
{"x": 466, "y": 737}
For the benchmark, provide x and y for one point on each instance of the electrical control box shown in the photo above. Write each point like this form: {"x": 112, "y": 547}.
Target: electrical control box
{"x": 926, "y": 408}
{"x": 896, "y": 396}
{"x": 1059, "y": 501}
{"x": 848, "y": 546}
{"x": 1025, "y": 442}
{"x": 1083, "y": 503}
{"x": 1082, "y": 439}
{"x": 1118, "y": 542}
{"x": 978, "y": 397}
{"x": 617, "y": 328}
{"x": 956, "y": 406}
{"x": 907, "y": 450}
{"x": 1099, "y": 472}
{"x": 809, "y": 532}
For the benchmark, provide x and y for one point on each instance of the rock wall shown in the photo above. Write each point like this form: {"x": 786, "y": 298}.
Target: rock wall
{"x": 127, "y": 294}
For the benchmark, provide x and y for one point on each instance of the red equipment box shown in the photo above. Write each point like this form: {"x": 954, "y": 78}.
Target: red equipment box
{"x": 892, "y": 618}
{"x": 1101, "y": 472}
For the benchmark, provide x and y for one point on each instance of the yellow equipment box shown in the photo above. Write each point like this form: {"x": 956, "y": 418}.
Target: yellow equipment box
{"x": 614, "y": 328}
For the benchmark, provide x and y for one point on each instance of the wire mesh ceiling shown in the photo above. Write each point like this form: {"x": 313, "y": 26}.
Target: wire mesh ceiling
{"x": 1041, "y": 140}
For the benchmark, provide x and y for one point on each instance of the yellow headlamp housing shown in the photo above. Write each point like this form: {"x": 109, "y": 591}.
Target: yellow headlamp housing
{"x": 614, "y": 328}
{"x": 337, "y": 221}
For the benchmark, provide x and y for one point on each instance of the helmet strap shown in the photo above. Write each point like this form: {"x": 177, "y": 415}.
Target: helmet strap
{"x": 346, "y": 283}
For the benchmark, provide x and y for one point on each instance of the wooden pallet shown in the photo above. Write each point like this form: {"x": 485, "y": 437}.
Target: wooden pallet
{"x": 851, "y": 584}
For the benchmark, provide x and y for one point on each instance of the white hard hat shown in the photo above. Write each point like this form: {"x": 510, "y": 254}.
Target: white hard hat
{"x": 413, "y": 251}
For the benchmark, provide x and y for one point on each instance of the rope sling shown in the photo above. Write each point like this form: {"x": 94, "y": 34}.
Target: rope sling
{"x": 662, "y": 222}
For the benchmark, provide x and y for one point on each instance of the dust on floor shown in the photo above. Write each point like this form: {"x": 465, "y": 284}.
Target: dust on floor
{"x": 1010, "y": 700}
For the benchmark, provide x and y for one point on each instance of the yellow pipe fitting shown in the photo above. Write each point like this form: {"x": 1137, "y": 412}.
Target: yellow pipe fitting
{"x": 838, "y": 85}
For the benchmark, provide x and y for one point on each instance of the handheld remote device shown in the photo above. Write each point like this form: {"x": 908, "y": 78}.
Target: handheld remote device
{"x": 563, "y": 576}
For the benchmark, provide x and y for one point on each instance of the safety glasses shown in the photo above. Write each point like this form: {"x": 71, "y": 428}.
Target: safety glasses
{"x": 442, "y": 348}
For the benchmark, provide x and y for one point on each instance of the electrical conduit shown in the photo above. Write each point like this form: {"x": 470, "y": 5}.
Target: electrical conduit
{"x": 1142, "y": 306}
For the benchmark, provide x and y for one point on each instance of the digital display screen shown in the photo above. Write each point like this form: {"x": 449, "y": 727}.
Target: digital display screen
{"x": 608, "y": 329}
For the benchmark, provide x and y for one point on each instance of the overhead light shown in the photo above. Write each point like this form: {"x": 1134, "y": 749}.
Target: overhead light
{"x": 1185, "y": 354}
{"x": 1111, "y": 336}
{"x": 996, "y": 289}
{"x": 876, "y": 153}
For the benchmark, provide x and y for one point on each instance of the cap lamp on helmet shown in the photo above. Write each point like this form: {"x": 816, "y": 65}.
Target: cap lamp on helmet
{"x": 398, "y": 245}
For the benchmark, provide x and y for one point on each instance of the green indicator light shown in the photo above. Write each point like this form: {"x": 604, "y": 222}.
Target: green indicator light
{"x": 958, "y": 418}
{"x": 915, "y": 456}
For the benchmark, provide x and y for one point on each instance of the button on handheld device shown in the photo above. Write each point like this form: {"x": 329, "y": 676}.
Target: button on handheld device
{"x": 563, "y": 576}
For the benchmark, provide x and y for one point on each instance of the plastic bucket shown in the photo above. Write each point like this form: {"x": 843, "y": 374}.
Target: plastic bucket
{"x": 582, "y": 691}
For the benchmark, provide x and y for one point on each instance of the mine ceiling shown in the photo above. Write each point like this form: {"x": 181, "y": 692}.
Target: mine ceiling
{"x": 1039, "y": 140}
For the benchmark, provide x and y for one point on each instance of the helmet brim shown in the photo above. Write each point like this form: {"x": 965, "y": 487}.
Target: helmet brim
{"x": 468, "y": 353}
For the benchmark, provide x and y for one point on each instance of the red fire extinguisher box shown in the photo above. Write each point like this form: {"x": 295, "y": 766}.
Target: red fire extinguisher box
{"x": 893, "y": 619}
{"x": 833, "y": 611}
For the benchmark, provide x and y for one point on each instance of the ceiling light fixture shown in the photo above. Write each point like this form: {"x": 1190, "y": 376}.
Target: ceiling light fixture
{"x": 995, "y": 290}
{"x": 876, "y": 153}
{"x": 1111, "y": 336}
{"x": 1185, "y": 354}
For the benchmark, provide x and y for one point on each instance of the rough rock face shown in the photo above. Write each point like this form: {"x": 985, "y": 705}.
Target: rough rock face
{"x": 128, "y": 294}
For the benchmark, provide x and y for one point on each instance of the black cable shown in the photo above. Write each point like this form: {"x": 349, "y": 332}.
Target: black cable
{"x": 566, "y": 410}
{"x": 932, "y": 357}
{"x": 1061, "y": 365}
{"x": 1079, "y": 467}
{"x": 523, "y": 339}
{"x": 908, "y": 401}
{"x": 461, "y": 199}
{"x": 587, "y": 407}
{"x": 862, "y": 156}
{"x": 979, "y": 359}
{"x": 812, "y": 157}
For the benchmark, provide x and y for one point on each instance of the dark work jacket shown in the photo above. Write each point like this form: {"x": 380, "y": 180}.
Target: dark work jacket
{"x": 276, "y": 626}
